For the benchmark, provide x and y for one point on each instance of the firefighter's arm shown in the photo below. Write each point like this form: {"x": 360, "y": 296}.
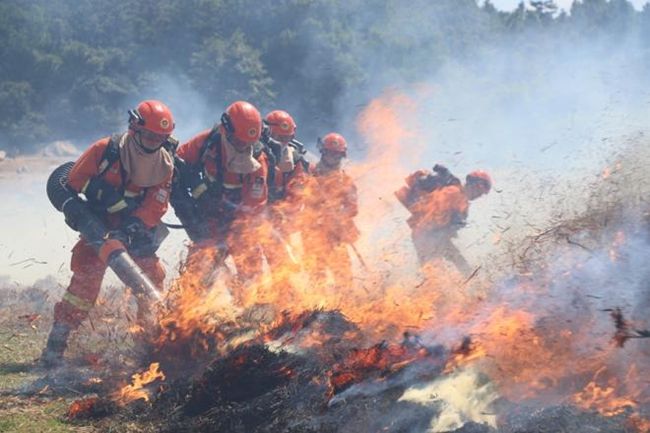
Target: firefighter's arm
{"x": 155, "y": 203}
{"x": 84, "y": 178}
{"x": 87, "y": 165}
{"x": 190, "y": 151}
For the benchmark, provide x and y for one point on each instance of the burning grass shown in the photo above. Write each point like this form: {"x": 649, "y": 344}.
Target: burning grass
{"x": 397, "y": 348}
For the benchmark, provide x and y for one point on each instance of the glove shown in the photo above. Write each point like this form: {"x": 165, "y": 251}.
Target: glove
{"x": 133, "y": 227}
{"x": 135, "y": 235}
{"x": 119, "y": 235}
{"x": 102, "y": 194}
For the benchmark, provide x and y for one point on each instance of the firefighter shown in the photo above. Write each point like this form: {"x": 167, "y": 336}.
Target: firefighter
{"x": 439, "y": 205}
{"x": 331, "y": 205}
{"x": 289, "y": 169}
{"x": 221, "y": 188}
{"x": 287, "y": 153}
{"x": 126, "y": 180}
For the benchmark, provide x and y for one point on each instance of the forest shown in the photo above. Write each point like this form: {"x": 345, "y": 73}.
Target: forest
{"x": 70, "y": 69}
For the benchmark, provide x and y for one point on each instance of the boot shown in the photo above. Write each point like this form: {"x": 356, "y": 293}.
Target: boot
{"x": 57, "y": 342}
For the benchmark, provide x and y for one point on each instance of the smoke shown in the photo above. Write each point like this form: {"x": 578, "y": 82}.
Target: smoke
{"x": 462, "y": 396}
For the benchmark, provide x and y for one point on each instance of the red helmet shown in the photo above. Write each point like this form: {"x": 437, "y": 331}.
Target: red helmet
{"x": 242, "y": 121}
{"x": 480, "y": 176}
{"x": 281, "y": 123}
{"x": 152, "y": 115}
{"x": 333, "y": 142}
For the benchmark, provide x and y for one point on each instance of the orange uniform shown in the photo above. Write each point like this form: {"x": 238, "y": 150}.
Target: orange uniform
{"x": 235, "y": 202}
{"x": 330, "y": 199}
{"x": 435, "y": 219}
{"x": 248, "y": 192}
{"x": 88, "y": 270}
{"x": 440, "y": 209}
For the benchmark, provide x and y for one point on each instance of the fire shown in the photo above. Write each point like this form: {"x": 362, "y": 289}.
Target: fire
{"x": 135, "y": 390}
{"x": 604, "y": 398}
{"x": 80, "y": 408}
{"x": 207, "y": 295}
{"x": 377, "y": 361}
{"x": 526, "y": 349}
{"x": 638, "y": 423}
{"x": 466, "y": 353}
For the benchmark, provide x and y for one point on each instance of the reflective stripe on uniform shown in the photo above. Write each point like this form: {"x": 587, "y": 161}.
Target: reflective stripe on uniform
{"x": 103, "y": 165}
{"x": 117, "y": 207}
{"x": 83, "y": 189}
{"x": 77, "y": 302}
{"x": 131, "y": 194}
{"x": 196, "y": 192}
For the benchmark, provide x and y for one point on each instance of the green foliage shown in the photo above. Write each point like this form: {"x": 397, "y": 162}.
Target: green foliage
{"x": 70, "y": 68}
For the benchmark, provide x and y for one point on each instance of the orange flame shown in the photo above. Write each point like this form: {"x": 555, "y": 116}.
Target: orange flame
{"x": 604, "y": 399}
{"x": 638, "y": 423}
{"x": 525, "y": 352}
{"x": 380, "y": 360}
{"x": 81, "y": 408}
{"x": 135, "y": 390}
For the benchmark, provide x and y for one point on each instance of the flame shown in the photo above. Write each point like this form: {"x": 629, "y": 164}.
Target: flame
{"x": 380, "y": 360}
{"x": 307, "y": 269}
{"x": 82, "y": 407}
{"x": 517, "y": 339}
{"x": 135, "y": 390}
{"x": 638, "y": 423}
{"x": 466, "y": 353}
{"x": 604, "y": 398}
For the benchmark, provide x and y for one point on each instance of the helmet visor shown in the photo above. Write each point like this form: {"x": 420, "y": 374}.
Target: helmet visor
{"x": 283, "y": 138}
{"x": 151, "y": 141}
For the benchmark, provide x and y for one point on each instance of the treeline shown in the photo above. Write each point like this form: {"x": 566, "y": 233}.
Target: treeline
{"x": 69, "y": 67}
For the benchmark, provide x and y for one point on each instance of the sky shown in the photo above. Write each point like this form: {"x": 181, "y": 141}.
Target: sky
{"x": 563, "y": 4}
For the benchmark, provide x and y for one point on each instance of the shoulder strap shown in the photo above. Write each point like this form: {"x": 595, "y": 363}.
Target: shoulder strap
{"x": 272, "y": 162}
{"x": 210, "y": 142}
{"x": 298, "y": 146}
{"x": 111, "y": 154}
{"x": 171, "y": 145}
{"x": 213, "y": 141}
{"x": 305, "y": 165}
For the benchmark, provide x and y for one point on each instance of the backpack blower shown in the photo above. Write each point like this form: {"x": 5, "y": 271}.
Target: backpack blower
{"x": 111, "y": 251}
